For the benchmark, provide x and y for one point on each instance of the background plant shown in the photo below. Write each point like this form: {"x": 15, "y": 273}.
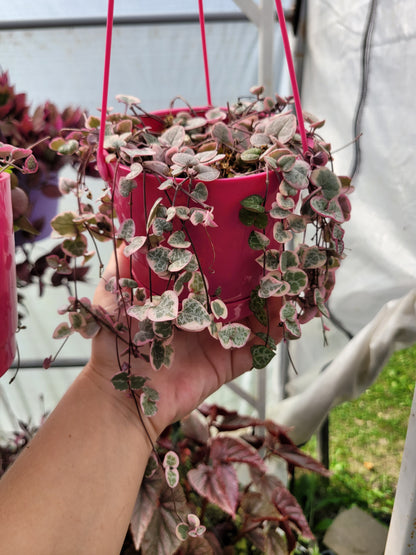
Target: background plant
{"x": 22, "y": 128}
{"x": 251, "y": 511}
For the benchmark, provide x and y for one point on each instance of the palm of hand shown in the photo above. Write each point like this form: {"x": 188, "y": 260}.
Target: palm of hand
{"x": 201, "y": 365}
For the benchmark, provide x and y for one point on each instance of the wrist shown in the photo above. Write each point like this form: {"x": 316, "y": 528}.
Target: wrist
{"x": 124, "y": 405}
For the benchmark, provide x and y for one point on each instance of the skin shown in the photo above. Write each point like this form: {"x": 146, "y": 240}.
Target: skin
{"x": 74, "y": 487}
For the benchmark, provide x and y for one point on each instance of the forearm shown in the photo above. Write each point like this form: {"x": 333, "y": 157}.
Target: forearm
{"x": 73, "y": 489}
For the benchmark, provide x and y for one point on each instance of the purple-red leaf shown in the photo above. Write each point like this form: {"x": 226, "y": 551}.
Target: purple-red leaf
{"x": 160, "y": 537}
{"x": 288, "y": 506}
{"x": 218, "y": 484}
{"x": 235, "y": 450}
{"x": 146, "y": 504}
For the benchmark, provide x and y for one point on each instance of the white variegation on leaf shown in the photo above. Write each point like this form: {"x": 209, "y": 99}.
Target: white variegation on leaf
{"x": 135, "y": 244}
{"x": 271, "y": 286}
{"x": 193, "y": 316}
{"x": 166, "y": 308}
{"x": 126, "y": 229}
{"x": 153, "y": 213}
{"x": 234, "y": 335}
{"x": 219, "y": 309}
{"x": 179, "y": 259}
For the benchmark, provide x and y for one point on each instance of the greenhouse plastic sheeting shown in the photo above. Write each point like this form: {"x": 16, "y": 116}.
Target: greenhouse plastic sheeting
{"x": 380, "y": 247}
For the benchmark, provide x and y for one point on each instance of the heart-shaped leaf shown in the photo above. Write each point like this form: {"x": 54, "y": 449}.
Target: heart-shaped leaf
{"x": 219, "y": 308}
{"x": 297, "y": 279}
{"x": 135, "y": 244}
{"x": 217, "y": 484}
{"x": 327, "y": 181}
{"x": 297, "y": 177}
{"x": 270, "y": 286}
{"x": 178, "y": 239}
{"x": 158, "y": 259}
{"x": 261, "y": 355}
{"x": 258, "y": 241}
{"x": 281, "y": 234}
{"x": 193, "y": 316}
{"x": 234, "y": 335}
{"x": 166, "y": 309}
{"x": 179, "y": 259}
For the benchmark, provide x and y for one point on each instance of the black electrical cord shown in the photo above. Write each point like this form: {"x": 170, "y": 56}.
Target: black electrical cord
{"x": 365, "y": 65}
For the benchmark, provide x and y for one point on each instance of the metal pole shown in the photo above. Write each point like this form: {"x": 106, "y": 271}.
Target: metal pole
{"x": 401, "y": 539}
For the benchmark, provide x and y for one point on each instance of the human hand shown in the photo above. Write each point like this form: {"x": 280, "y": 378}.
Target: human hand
{"x": 201, "y": 365}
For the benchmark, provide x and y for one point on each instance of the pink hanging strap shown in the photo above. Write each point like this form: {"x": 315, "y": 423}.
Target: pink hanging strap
{"x": 292, "y": 74}
{"x": 204, "y": 51}
{"x": 102, "y": 167}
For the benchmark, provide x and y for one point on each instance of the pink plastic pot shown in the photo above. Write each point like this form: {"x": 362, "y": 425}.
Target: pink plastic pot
{"x": 8, "y": 297}
{"x": 224, "y": 256}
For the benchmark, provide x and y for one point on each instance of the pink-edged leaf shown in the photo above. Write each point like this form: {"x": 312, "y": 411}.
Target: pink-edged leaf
{"x": 234, "y": 335}
{"x": 75, "y": 247}
{"x": 30, "y": 165}
{"x": 328, "y": 208}
{"x": 219, "y": 308}
{"x": 193, "y": 316}
{"x": 235, "y": 450}
{"x": 148, "y": 401}
{"x": 327, "y": 181}
{"x": 222, "y": 133}
{"x": 297, "y": 176}
{"x": 172, "y": 477}
{"x": 218, "y": 484}
{"x": 297, "y": 280}
{"x": 166, "y": 309}
{"x": 282, "y": 126}
{"x": 135, "y": 244}
{"x": 281, "y": 234}
{"x": 345, "y": 205}
{"x": 271, "y": 286}
{"x": 62, "y": 331}
{"x": 171, "y": 459}
{"x": 182, "y": 530}
{"x": 288, "y": 506}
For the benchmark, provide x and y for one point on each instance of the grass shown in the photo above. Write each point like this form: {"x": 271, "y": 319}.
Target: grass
{"x": 366, "y": 438}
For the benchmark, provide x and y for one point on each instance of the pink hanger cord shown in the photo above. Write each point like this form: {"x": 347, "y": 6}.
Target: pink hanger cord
{"x": 100, "y": 154}
{"x": 289, "y": 61}
{"x": 204, "y": 51}
{"x": 292, "y": 74}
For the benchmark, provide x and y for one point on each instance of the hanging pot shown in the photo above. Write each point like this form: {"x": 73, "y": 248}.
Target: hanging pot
{"x": 8, "y": 296}
{"x": 223, "y": 254}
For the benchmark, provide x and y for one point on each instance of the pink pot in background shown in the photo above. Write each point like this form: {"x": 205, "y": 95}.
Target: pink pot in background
{"x": 8, "y": 295}
{"x": 223, "y": 252}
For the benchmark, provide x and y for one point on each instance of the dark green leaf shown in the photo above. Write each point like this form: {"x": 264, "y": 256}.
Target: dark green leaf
{"x": 253, "y": 203}
{"x": 121, "y": 381}
{"x": 262, "y": 355}
{"x": 137, "y": 382}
